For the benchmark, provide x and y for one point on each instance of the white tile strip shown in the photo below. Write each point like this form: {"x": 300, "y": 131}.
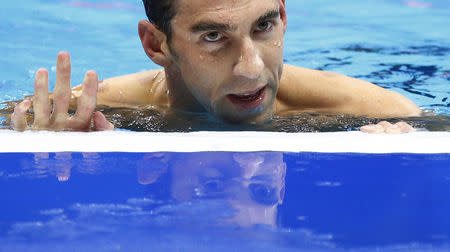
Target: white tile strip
{"x": 123, "y": 141}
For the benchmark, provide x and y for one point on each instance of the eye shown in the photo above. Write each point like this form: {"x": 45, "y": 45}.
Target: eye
{"x": 213, "y": 37}
{"x": 214, "y": 186}
{"x": 264, "y": 194}
{"x": 264, "y": 26}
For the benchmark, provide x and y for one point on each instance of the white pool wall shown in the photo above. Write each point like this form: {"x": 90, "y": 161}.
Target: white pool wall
{"x": 141, "y": 142}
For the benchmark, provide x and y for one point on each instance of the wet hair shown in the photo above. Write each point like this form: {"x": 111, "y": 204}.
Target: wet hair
{"x": 161, "y": 13}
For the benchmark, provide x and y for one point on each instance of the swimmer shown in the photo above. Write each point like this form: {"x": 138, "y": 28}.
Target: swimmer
{"x": 224, "y": 57}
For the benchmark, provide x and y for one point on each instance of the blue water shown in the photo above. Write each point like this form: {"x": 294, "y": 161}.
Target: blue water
{"x": 224, "y": 201}
{"x": 230, "y": 201}
{"x": 403, "y": 45}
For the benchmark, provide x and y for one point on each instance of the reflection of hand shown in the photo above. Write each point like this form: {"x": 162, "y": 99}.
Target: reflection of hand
{"x": 386, "y": 127}
{"x": 59, "y": 119}
{"x": 63, "y": 166}
{"x": 60, "y": 165}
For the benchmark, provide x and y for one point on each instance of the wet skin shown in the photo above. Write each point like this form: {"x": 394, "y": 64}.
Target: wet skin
{"x": 56, "y": 117}
{"x": 227, "y": 51}
{"x": 225, "y": 57}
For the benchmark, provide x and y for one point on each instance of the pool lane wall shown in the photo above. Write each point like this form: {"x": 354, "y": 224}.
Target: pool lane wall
{"x": 144, "y": 142}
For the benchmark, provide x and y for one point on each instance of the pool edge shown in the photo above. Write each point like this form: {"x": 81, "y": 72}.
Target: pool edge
{"x": 245, "y": 141}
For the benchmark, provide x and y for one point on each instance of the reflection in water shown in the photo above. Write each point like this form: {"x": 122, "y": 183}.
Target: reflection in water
{"x": 251, "y": 185}
{"x": 210, "y": 196}
{"x": 62, "y": 165}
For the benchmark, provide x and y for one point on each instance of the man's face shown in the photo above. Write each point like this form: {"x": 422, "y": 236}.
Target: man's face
{"x": 230, "y": 54}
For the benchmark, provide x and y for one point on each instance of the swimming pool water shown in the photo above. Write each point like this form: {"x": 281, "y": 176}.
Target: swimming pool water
{"x": 227, "y": 201}
{"x": 402, "y": 45}
{"x": 224, "y": 201}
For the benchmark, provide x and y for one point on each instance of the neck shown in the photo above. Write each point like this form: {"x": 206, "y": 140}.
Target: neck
{"x": 180, "y": 97}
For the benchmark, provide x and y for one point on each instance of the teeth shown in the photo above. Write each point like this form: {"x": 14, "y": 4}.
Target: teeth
{"x": 248, "y": 94}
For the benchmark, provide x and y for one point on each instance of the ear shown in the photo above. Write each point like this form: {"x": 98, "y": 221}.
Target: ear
{"x": 283, "y": 14}
{"x": 154, "y": 42}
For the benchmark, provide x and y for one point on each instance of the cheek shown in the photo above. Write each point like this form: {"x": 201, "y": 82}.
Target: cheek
{"x": 273, "y": 51}
{"x": 276, "y": 58}
{"x": 201, "y": 79}
{"x": 195, "y": 64}
{"x": 278, "y": 43}
{"x": 273, "y": 56}
{"x": 277, "y": 48}
{"x": 203, "y": 73}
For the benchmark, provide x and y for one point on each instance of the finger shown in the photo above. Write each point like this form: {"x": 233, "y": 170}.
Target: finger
{"x": 405, "y": 127}
{"x": 62, "y": 92}
{"x": 41, "y": 102}
{"x": 18, "y": 118}
{"x": 372, "y": 128}
{"x": 385, "y": 124}
{"x": 88, "y": 99}
{"x": 100, "y": 122}
{"x": 393, "y": 129}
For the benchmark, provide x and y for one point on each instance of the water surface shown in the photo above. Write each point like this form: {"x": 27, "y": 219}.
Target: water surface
{"x": 224, "y": 201}
{"x": 402, "y": 45}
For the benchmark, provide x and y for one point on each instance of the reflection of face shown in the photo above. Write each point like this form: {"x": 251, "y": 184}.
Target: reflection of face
{"x": 238, "y": 176}
{"x": 253, "y": 183}
{"x": 230, "y": 54}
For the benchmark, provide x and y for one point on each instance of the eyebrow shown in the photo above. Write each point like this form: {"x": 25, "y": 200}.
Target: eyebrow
{"x": 214, "y": 26}
{"x": 211, "y": 26}
{"x": 268, "y": 15}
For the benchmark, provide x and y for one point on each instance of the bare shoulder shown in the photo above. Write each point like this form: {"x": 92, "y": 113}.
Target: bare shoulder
{"x": 141, "y": 88}
{"x": 326, "y": 92}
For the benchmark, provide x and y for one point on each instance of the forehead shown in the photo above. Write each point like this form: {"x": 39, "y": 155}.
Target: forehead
{"x": 224, "y": 10}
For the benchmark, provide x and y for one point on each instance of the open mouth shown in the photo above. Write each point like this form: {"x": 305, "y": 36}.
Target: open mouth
{"x": 248, "y": 100}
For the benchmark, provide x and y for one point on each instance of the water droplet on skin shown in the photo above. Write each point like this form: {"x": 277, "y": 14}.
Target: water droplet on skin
{"x": 201, "y": 57}
{"x": 167, "y": 91}
{"x": 120, "y": 92}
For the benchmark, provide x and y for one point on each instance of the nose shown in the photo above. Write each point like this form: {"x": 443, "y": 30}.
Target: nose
{"x": 249, "y": 64}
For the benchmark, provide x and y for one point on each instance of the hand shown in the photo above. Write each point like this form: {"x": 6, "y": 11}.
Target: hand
{"x": 59, "y": 119}
{"x": 386, "y": 127}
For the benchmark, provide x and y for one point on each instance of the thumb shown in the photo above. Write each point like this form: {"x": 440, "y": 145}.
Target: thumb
{"x": 100, "y": 122}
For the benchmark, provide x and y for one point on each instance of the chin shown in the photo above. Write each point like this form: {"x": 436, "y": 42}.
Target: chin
{"x": 238, "y": 118}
